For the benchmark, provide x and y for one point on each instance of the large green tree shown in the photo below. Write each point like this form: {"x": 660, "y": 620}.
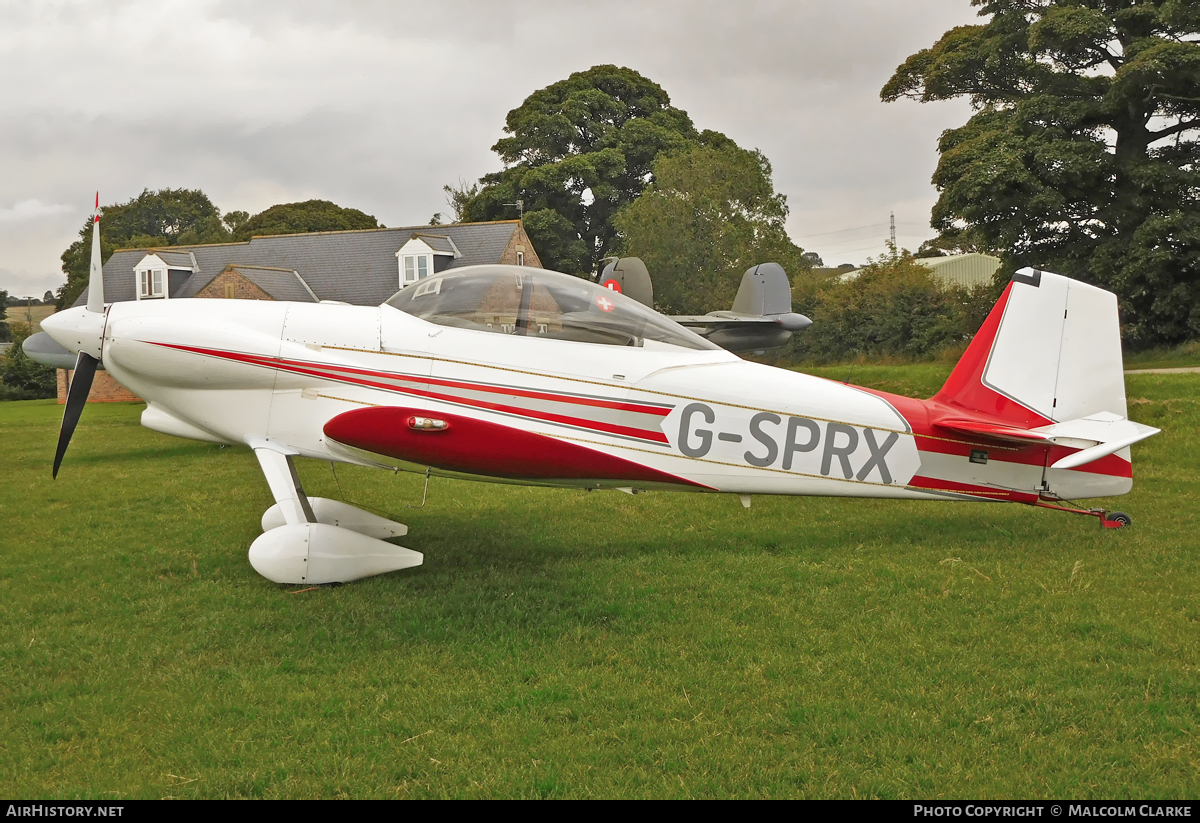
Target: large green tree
{"x": 300, "y": 218}
{"x": 154, "y": 218}
{"x": 1083, "y": 156}
{"x": 710, "y": 214}
{"x": 576, "y": 152}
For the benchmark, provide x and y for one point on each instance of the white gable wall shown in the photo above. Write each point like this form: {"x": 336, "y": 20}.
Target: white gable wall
{"x": 415, "y": 261}
{"x": 150, "y": 278}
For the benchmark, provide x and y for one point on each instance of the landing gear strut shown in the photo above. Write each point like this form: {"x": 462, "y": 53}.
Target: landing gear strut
{"x": 315, "y": 540}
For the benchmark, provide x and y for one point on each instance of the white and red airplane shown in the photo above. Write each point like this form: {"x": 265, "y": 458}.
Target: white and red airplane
{"x": 514, "y": 374}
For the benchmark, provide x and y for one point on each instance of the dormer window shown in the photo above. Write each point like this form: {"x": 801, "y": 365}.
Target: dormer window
{"x": 416, "y": 267}
{"x": 150, "y": 283}
{"x": 425, "y": 255}
{"x": 160, "y": 274}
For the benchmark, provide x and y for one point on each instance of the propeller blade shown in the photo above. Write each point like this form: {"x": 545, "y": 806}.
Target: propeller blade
{"x": 77, "y": 395}
{"x": 95, "y": 300}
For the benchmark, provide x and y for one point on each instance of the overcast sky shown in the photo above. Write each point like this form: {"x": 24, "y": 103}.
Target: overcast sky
{"x": 377, "y": 105}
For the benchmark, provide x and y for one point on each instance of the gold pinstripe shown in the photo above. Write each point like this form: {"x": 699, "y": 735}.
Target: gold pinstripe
{"x": 606, "y": 385}
{"x": 664, "y": 394}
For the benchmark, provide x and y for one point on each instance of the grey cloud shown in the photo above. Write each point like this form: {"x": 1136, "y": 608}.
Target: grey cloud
{"x": 376, "y": 105}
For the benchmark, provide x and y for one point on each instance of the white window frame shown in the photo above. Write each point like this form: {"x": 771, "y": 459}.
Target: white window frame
{"x": 417, "y": 267}
{"x": 151, "y": 284}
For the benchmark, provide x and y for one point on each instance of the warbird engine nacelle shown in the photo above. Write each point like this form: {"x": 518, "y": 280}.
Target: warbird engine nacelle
{"x": 521, "y": 375}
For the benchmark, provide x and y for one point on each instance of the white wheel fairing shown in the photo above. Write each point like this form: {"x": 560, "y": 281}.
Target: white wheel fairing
{"x": 317, "y": 553}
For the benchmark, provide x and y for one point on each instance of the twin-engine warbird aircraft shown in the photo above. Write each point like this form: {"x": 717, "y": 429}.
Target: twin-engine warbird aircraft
{"x": 515, "y": 374}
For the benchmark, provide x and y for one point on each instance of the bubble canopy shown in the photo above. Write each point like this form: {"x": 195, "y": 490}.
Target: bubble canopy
{"x": 538, "y": 303}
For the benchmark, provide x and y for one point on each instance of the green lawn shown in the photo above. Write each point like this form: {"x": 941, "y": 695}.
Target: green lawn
{"x": 564, "y": 644}
{"x": 1182, "y": 356}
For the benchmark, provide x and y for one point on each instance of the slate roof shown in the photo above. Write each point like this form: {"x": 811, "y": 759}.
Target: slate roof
{"x": 174, "y": 259}
{"x": 281, "y": 284}
{"x": 356, "y": 267}
{"x": 437, "y": 242}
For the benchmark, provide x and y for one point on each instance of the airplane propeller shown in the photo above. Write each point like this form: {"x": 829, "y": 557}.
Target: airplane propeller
{"x": 77, "y": 395}
{"x": 85, "y": 363}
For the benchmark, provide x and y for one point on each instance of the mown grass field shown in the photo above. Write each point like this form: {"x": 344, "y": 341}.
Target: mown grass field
{"x": 564, "y": 644}
{"x": 32, "y": 315}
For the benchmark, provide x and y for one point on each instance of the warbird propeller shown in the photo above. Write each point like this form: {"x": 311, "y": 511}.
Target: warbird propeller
{"x": 516, "y": 374}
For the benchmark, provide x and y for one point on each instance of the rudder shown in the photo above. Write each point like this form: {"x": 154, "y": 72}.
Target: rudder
{"x": 1049, "y": 351}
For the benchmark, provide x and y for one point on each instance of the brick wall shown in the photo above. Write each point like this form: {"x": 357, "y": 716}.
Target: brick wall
{"x": 231, "y": 284}
{"x": 105, "y": 389}
{"x": 520, "y": 243}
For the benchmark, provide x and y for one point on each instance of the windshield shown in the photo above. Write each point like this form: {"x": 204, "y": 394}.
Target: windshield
{"x": 538, "y": 303}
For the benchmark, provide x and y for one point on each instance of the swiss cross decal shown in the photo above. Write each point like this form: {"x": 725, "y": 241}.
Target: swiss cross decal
{"x": 612, "y": 285}
{"x": 604, "y": 303}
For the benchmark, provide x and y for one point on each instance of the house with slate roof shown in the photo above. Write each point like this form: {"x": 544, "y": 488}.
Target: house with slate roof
{"x": 363, "y": 268}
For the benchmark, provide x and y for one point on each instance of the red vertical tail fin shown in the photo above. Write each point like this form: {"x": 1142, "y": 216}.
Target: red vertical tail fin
{"x": 1045, "y": 370}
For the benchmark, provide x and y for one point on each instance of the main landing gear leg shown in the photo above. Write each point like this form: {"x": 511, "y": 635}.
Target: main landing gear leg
{"x": 1108, "y": 520}
{"x": 316, "y": 540}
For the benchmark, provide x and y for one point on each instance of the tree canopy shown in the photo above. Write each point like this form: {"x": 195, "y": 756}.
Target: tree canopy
{"x": 299, "y": 218}
{"x": 711, "y": 213}
{"x": 178, "y": 217}
{"x": 1083, "y": 155}
{"x": 154, "y": 218}
{"x": 576, "y": 152}
{"x": 892, "y": 307}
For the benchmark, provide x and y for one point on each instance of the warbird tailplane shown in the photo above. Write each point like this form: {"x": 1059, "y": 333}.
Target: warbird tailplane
{"x": 520, "y": 375}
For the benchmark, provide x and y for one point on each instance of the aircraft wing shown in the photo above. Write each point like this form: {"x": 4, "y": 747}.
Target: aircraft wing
{"x": 740, "y": 332}
{"x": 729, "y": 320}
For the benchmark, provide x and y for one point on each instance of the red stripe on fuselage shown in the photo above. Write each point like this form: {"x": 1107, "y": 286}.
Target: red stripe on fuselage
{"x": 354, "y": 376}
{"x": 985, "y": 492}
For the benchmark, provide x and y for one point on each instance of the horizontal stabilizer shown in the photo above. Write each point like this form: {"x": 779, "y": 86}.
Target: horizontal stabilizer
{"x": 1097, "y": 435}
{"x": 1100, "y": 435}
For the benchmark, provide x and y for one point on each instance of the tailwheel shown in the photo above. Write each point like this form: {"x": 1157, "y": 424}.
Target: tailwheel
{"x": 1117, "y": 520}
{"x": 1108, "y": 520}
